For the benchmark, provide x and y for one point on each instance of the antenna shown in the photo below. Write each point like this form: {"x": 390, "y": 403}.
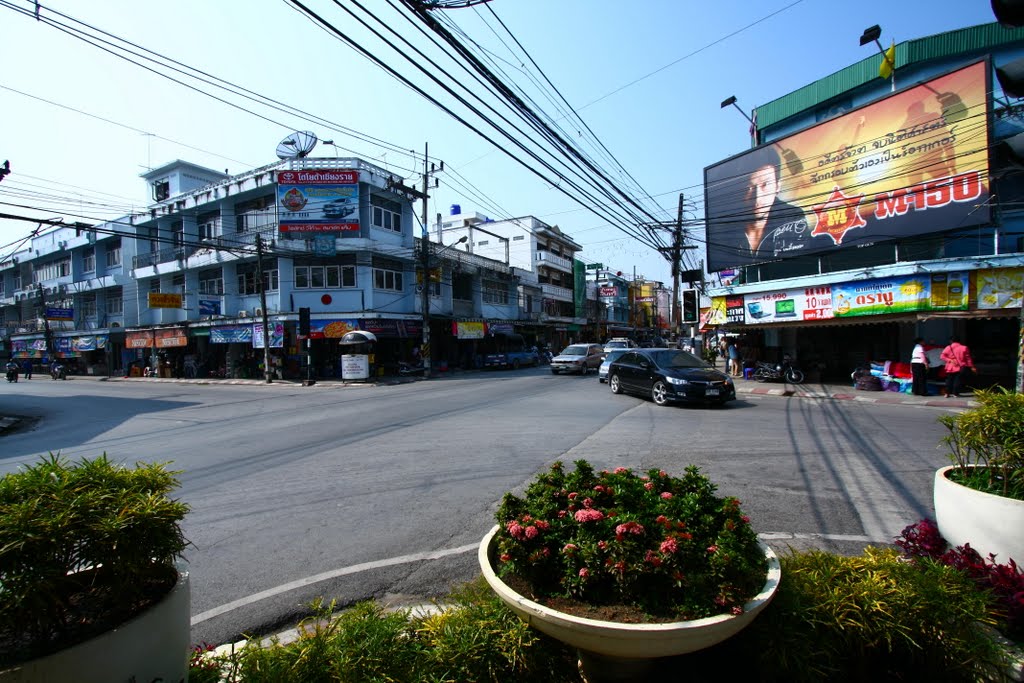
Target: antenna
{"x": 297, "y": 145}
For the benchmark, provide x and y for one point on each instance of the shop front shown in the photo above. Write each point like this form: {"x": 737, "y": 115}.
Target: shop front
{"x": 395, "y": 340}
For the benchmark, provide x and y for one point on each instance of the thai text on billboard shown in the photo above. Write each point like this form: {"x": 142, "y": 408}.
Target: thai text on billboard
{"x": 808, "y": 303}
{"x": 902, "y": 294}
{"x": 318, "y": 201}
{"x": 913, "y": 163}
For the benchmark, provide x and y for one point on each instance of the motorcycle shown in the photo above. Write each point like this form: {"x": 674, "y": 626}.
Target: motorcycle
{"x": 784, "y": 371}
{"x": 58, "y": 371}
{"x": 12, "y": 372}
{"x": 406, "y": 369}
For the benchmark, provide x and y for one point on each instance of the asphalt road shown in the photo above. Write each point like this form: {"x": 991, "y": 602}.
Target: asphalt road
{"x": 352, "y": 492}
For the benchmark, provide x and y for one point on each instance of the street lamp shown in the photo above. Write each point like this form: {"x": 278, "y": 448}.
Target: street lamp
{"x": 331, "y": 143}
{"x": 872, "y": 34}
{"x": 425, "y": 300}
{"x": 753, "y": 126}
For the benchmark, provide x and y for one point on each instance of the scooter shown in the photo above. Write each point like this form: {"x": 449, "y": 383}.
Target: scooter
{"x": 409, "y": 369}
{"x": 785, "y": 371}
{"x": 58, "y": 371}
{"x": 12, "y": 372}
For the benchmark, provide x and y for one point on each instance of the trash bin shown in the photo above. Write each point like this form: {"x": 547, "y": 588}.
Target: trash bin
{"x": 356, "y": 347}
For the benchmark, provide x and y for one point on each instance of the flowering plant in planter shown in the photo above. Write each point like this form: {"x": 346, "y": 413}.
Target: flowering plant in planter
{"x": 664, "y": 545}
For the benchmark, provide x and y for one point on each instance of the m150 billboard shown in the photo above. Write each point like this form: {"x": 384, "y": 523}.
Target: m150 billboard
{"x": 915, "y": 162}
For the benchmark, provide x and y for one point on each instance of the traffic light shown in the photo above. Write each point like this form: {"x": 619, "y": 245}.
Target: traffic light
{"x": 690, "y": 307}
{"x": 303, "y": 322}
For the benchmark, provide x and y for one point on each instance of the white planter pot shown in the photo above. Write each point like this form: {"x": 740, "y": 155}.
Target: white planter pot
{"x": 630, "y": 641}
{"x": 991, "y": 524}
{"x": 154, "y": 646}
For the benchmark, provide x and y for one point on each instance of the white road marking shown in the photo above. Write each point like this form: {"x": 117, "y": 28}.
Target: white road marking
{"x": 438, "y": 554}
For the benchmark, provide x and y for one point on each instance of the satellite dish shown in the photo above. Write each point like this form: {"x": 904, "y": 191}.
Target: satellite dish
{"x": 297, "y": 145}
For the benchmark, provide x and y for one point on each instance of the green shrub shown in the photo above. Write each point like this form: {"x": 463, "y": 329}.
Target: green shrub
{"x": 868, "y": 618}
{"x": 82, "y": 545}
{"x": 990, "y": 436}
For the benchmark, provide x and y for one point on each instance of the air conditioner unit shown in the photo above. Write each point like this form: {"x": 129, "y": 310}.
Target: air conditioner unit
{"x": 257, "y": 312}
{"x": 243, "y": 313}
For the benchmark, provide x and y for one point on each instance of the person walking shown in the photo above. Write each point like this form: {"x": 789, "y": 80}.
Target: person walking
{"x": 734, "y": 359}
{"x": 919, "y": 368}
{"x": 957, "y": 357}
{"x": 28, "y": 369}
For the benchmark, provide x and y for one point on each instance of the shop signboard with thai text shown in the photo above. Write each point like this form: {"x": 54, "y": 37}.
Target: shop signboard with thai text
{"x": 138, "y": 340}
{"x": 318, "y": 201}
{"x": 171, "y": 337}
{"x": 163, "y": 300}
{"x": 469, "y": 330}
{"x": 275, "y": 334}
{"x": 235, "y": 334}
{"x": 734, "y": 309}
{"x": 902, "y": 294}
{"x": 999, "y": 287}
{"x": 805, "y": 304}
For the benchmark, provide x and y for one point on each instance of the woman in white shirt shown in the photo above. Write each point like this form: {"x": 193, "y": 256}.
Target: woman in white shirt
{"x": 919, "y": 368}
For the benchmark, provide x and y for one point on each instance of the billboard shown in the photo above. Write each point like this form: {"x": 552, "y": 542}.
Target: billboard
{"x": 902, "y": 294}
{"x": 912, "y": 163}
{"x": 318, "y": 201}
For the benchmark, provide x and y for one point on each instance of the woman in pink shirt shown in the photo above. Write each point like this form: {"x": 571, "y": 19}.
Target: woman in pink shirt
{"x": 957, "y": 357}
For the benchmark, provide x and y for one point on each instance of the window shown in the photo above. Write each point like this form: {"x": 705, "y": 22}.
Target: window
{"x": 154, "y": 285}
{"x": 387, "y": 274}
{"x": 161, "y": 190}
{"x": 88, "y": 306}
{"x": 385, "y": 213}
{"x": 51, "y": 270}
{"x": 178, "y": 233}
{"x": 208, "y": 225}
{"x": 256, "y": 214}
{"x": 495, "y": 292}
{"x": 89, "y": 260}
{"x": 114, "y": 253}
{"x": 324, "y": 277}
{"x": 248, "y": 282}
{"x": 178, "y": 284}
{"x": 435, "y": 289}
{"x": 211, "y": 281}
{"x": 115, "y": 302}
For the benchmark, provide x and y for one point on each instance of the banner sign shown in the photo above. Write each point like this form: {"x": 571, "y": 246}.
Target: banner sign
{"x": 318, "y": 200}
{"x": 164, "y": 300}
{"x": 388, "y": 327}
{"x": 94, "y": 342}
{"x": 469, "y": 330}
{"x": 913, "y": 163}
{"x": 999, "y": 288}
{"x": 810, "y": 303}
{"x": 716, "y": 314}
{"x": 60, "y": 314}
{"x": 608, "y": 291}
{"x": 138, "y": 340}
{"x": 735, "y": 313}
{"x": 276, "y": 335}
{"x": 331, "y": 329}
{"x": 500, "y": 328}
{"x": 209, "y": 307}
{"x": 171, "y": 337}
{"x": 241, "y": 334}
{"x": 904, "y": 294}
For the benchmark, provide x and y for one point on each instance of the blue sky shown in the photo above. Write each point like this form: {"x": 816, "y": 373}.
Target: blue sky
{"x": 647, "y": 78}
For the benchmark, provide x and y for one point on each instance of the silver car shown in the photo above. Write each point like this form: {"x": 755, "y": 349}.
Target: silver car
{"x": 602, "y": 372}
{"x": 578, "y": 358}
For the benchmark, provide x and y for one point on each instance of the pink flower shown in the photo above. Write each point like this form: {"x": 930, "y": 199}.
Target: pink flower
{"x": 572, "y": 496}
{"x": 649, "y": 486}
{"x": 712, "y": 549}
{"x": 569, "y": 547}
{"x": 505, "y": 557}
{"x": 531, "y": 532}
{"x": 599, "y": 488}
{"x": 515, "y": 530}
{"x": 666, "y": 495}
{"x": 602, "y": 545}
{"x": 584, "y": 573}
{"x": 668, "y": 546}
{"x": 561, "y": 514}
{"x": 588, "y": 515}
{"x": 661, "y": 519}
{"x": 737, "y": 610}
{"x": 652, "y": 558}
{"x": 542, "y": 524}
{"x": 588, "y": 502}
{"x": 662, "y": 473}
{"x": 634, "y": 528}
{"x": 621, "y": 470}
{"x": 746, "y": 520}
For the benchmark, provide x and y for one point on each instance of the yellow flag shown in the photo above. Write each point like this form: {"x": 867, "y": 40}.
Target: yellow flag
{"x": 888, "y": 62}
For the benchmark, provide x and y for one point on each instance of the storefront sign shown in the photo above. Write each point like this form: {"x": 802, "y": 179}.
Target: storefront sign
{"x": 390, "y": 327}
{"x": 332, "y": 329}
{"x": 164, "y": 300}
{"x": 999, "y": 287}
{"x": 608, "y": 291}
{"x": 716, "y": 315}
{"x": 63, "y": 348}
{"x": 469, "y": 330}
{"x": 241, "y": 334}
{"x": 171, "y": 337}
{"x": 138, "y": 340}
{"x": 912, "y": 163}
{"x": 60, "y": 314}
{"x": 276, "y": 335}
{"x": 810, "y": 303}
{"x": 93, "y": 342}
{"x": 318, "y": 200}
{"x": 908, "y": 293}
{"x": 735, "y": 313}
{"x": 500, "y": 328}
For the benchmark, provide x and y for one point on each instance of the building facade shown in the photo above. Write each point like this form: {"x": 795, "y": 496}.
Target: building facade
{"x": 873, "y": 212}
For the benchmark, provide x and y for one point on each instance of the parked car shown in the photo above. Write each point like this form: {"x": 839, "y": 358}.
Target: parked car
{"x": 614, "y": 354}
{"x": 619, "y": 343}
{"x": 578, "y": 358}
{"x": 668, "y": 375}
{"x": 512, "y": 353}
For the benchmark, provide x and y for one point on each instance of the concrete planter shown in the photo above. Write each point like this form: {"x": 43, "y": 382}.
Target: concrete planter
{"x": 151, "y": 647}
{"x": 611, "y": 651}
{"x": 990, "y": 523}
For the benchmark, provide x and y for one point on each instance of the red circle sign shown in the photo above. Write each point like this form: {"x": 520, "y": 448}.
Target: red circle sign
{"x": 326, "y": 299}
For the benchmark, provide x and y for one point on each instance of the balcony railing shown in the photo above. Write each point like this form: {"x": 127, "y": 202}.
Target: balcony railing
{"x": 555, "y": 292}
{"x": 162, "y": 256}
{"x": 549, "y": 259}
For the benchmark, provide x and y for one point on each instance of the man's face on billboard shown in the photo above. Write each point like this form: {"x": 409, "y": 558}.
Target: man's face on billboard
{"x": 762, "y": 189}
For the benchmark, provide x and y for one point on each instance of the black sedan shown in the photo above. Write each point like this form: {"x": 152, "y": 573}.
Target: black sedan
{"x": 668, "y": 375}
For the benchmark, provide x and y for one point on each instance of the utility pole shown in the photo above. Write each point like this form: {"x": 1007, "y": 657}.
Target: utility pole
{"x": 425, "y": 352}
{"x": 263, "y": 308}
{"x": 46, "y": 324}
{"x": 677, "y": 244}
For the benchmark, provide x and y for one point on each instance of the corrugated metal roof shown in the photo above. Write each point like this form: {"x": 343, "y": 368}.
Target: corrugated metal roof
{"x": 950, "y": 44}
